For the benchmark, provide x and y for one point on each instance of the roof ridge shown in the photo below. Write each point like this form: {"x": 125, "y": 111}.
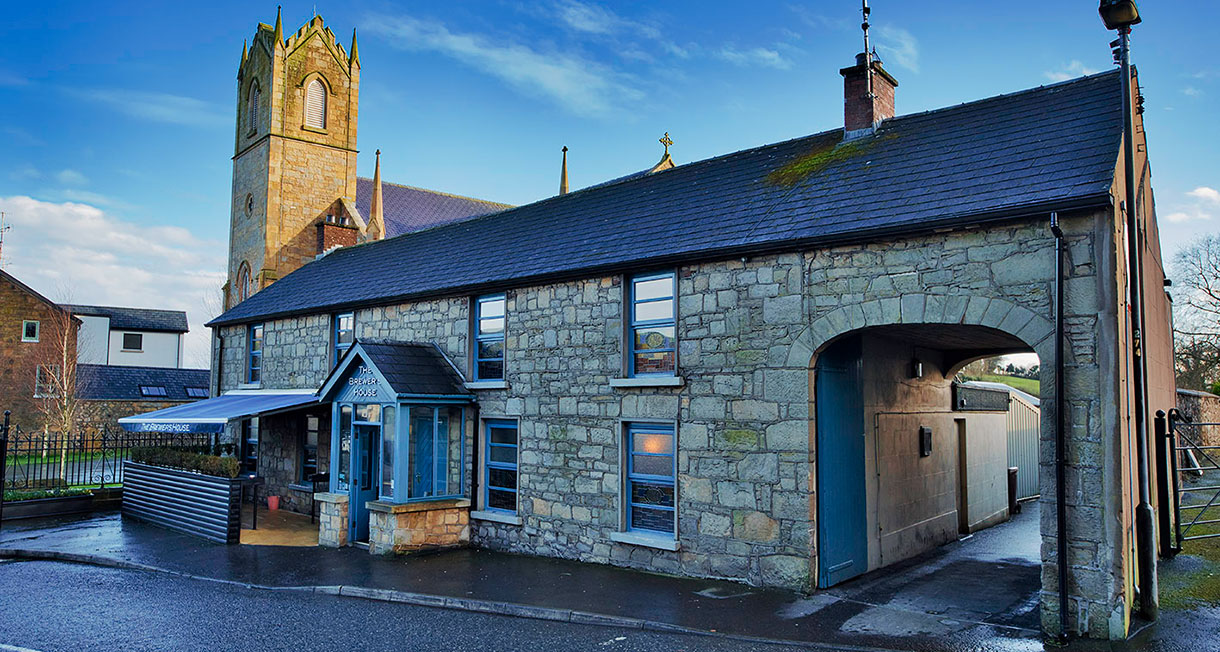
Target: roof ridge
{"x": 94, "y": 305}
{"x": 439, "y": 192}
{"x": 1024, "y": 91}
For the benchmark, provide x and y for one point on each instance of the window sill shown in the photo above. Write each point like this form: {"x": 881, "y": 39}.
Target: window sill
{"x": 314, "y": 130}
{"x": 658, "y": 541}
{"x": 487, "y": 384}
{"x": 648, "y": 381}
{"x": 250, "y": 386}
{"x": 131, "y": 350}
{"x": 307, "y": 488}
{"x": 498, "y": 517}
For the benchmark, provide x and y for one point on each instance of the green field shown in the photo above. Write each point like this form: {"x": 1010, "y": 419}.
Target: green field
{"x": 1027, "y": 385}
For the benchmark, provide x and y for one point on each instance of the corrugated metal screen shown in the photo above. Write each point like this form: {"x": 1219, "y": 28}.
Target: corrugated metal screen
{"x": 1023, "y": 434}
{"x": 315, "y": 105}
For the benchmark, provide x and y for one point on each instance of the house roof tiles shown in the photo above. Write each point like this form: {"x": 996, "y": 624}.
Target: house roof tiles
{"x": 1052, "y": 147}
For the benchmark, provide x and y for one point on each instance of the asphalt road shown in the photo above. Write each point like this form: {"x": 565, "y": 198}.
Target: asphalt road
{"x": 48, "y": 607}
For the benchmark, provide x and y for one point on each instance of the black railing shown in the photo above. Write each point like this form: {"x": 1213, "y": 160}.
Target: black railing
{"x": 48, "y": 460}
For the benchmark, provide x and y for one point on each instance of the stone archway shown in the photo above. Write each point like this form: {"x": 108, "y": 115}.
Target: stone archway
{"x": 957, "y": 329}
{"x": 1020, "y": 322}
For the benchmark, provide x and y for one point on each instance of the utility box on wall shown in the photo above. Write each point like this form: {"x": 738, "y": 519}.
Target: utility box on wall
{"x": 925, "y": 441}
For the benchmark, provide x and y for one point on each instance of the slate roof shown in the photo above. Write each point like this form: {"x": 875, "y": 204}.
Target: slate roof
{"x": 406, "y": 209}
{"x": 136, "y": 319}
{"x": 1022, "y": 154}
{"x": 415, "y": 368}
{"x": 99, "y": 382}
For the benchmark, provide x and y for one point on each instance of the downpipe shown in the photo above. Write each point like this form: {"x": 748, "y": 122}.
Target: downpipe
{"x": 1060, "y": 435}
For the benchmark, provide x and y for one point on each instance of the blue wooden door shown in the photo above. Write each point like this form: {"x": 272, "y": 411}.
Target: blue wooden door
{"x": 842, "y": 528}
{"x": 365, "y": 444}
{"x": 423, "y": 453}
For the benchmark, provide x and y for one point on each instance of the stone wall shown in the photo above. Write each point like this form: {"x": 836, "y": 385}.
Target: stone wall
{"x": 103, "y": 416}
{"x": 413, "y": 527}
{"x": 749, "y": 331}
{"x": 1200, "y": 407}
{"x": 280, "y": 449}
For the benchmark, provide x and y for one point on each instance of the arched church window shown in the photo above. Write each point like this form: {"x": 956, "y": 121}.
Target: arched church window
{"x": 243, "y": 283}
{"x": 315, "y": 105}
{"x": 252, "y": 107}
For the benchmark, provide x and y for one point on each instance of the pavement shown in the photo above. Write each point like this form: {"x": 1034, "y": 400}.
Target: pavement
{"x": 977, "y": 594}
{"x": 980, "y": 593}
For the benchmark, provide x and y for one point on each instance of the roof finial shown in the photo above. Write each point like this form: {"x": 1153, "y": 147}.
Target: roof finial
{"x": 666, "y": 141}
{"x": 279, "y": 27}
{"x": 354, "y": 55}
{"x": 376, "y": 225}
{"x": 563, "y": 174}
{"x": 245, "y": 52}
{"x": 666, "y": 162}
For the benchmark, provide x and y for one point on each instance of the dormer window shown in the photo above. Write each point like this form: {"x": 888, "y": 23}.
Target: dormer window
{"x": 152, "y": 390}
{"x": 315, "y": 105}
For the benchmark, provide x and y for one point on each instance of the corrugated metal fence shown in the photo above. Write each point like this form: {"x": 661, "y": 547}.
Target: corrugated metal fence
{"x": 1023, "y": 434}
{"x": 202, "y": 505}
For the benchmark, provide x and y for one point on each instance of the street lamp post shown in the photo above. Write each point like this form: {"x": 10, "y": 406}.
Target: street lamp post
{"x": 1120, "y": 15}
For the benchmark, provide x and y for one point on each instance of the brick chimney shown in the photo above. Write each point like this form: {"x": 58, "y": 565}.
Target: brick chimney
{"x": 862, "y": 113}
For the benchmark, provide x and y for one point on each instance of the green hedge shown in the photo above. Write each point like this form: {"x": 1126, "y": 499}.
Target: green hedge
{"x": 187, "y": 460}
{"x": 14, "y": 495}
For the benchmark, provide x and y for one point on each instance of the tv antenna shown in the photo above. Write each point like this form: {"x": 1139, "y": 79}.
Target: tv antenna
{"x": 4, "y": 226}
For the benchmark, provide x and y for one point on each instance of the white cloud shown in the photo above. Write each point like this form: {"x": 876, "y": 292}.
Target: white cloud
{"x": 25, "y": 172}
{"x": 1207, "y": 194}
{"x": 897, "y": 45}
{"x": 595, "y": 19}
{"x": 1071, "y": 71}
{"x": 158, "y": 107}
{"x": 70, "y": 177}
{"x": 580, "y": 85}
{"x": 754, "y": 57}
{"x": 1192, "y": 91}
{"x": 104, "y": 260}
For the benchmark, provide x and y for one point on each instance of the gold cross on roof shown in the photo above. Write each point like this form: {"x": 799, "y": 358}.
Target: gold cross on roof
{"x": 666, "y": 141}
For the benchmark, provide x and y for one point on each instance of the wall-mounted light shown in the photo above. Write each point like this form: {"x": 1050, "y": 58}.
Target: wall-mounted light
{"x": 916, "y": 368}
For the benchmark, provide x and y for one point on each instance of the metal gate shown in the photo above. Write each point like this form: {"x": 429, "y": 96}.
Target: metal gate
{"x": 1193, "y": 452}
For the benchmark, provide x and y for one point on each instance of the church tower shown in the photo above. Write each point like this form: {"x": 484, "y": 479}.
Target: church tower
{"x": 294, "y": 161}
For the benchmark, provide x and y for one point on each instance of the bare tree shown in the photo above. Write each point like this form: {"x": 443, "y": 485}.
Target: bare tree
{"x": 1197, "y": 314}
{"x": 56, "y": 376}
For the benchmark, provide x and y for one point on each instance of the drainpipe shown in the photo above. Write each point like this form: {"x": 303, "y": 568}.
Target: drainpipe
{"x": 474, "y": 457}
{"x": 1145, "y": 524}
{"x": 1060, "y": 435}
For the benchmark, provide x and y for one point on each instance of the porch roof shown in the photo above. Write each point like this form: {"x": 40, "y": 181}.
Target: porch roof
{"x": 405, "y": 369}
{"x": 212, "y": 414}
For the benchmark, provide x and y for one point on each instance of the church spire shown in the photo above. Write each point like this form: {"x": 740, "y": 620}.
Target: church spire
{"x": 376, "y": 226}
{"x": 279, "y": 27}
{"x": 563, "y": 174}
{"x": 354, "y": 53}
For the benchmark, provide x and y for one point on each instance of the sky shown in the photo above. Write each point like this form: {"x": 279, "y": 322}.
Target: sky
{"x": 116, "y": 127}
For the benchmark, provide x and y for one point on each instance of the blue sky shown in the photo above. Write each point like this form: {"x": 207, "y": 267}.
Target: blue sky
{"x": 116, "y": 127}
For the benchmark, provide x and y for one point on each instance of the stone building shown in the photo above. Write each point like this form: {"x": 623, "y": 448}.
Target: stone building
{"x": 737, "y": 368}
